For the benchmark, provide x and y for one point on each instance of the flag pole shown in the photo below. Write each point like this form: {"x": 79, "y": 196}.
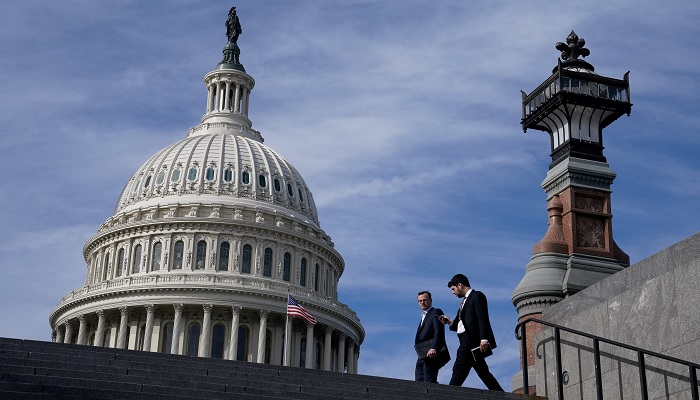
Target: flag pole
{"x": 286, "y": 335}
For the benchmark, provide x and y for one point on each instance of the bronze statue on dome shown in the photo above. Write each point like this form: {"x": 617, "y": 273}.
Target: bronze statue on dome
{"x": 233, "y": 26}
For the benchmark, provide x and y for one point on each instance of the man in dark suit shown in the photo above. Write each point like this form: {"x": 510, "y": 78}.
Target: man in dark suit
{"x": 473, "y": 330}
{"x": 430, "y": 341}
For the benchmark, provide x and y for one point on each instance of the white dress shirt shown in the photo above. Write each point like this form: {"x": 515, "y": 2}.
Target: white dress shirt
{"x": 460, "y": 324}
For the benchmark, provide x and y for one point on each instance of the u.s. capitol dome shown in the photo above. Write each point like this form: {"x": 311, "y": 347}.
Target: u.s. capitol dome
{"x": 209, "y": 238}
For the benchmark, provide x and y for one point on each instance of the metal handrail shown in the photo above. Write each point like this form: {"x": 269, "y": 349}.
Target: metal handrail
{"x": 521, "y": 336}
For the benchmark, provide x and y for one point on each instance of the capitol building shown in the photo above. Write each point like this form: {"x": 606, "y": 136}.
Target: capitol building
{"x": 209, "y": 237}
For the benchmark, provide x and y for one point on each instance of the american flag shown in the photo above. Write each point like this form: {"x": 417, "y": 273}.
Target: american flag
{"x": 295, "y": 310}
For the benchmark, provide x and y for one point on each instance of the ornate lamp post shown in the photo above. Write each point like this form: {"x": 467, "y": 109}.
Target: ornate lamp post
{"x": 573, "y": 106}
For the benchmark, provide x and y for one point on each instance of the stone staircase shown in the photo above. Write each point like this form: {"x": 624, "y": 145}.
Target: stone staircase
{"x": 45, "y": 370}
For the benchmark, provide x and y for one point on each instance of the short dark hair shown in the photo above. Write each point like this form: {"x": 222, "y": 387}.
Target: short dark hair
{"x": 425, "y": 292}
{"x": 457, "y": 279}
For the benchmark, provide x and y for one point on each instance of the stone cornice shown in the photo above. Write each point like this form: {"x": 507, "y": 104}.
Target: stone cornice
{"x": 579, "y": 173}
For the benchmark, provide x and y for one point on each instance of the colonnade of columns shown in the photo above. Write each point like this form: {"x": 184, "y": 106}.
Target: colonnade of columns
{"x": 227, "y": 95}
{"x": 338, "y": 352}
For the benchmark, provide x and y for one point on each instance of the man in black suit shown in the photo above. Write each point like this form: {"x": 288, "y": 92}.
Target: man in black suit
{"x": 430, "y": 341}
{"x": 473, "y": 330}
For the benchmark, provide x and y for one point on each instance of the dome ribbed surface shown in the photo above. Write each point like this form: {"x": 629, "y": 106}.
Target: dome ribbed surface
{"x": 224, "y": 168}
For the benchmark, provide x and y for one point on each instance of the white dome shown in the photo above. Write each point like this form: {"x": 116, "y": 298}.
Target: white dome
{"x": 223, "y": 168}
{"x": 208, "y": 239}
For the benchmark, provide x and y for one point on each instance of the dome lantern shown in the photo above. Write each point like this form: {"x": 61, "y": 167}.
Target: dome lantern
{"x": 228, "y": 90}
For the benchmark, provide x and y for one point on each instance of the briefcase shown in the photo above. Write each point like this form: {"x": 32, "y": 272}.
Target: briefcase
{"x": 422, "y": 348}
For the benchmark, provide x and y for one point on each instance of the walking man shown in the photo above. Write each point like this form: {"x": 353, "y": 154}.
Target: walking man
{"x": 430, "y": 341}
{"x": 474, "y": 331}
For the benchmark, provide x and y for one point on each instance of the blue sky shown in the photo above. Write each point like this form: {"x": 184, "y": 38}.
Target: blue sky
{"x": 402, "y": 116}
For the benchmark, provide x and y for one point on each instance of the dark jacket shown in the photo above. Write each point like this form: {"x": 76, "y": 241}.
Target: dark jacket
{"x": 432, "y": 328}
{"x": 475, "y": 317}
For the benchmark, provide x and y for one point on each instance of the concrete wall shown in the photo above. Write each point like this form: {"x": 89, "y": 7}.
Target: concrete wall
{"x": 653, "y": 304}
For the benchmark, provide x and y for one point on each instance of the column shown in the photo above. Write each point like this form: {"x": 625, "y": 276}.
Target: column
{"x": 261, "y": 336}
{"x": 341, "y": 352}
{"x": 121, "y": 339}
{"x": 205, "y": 338}
{"x": 237, "y": 99}
{"x": 310, "y": 348}
{"x": 327, "y": 348}
{"x": 69, "y": 333}
{"x": 82, "y": 329}
{"x": 100, "y": 333}
{"x": 59, "y": 334}
{"x": 175, "y": 344}
{"x": 351, "y": 358}
{"x": 150, "y": 309}
{"x": 244, "y": 101}
{"x": 220, "y": 90}
{"x": 233, "y": 340}
{"x": 210, "y": 98}
{"x": 227, "y": 101}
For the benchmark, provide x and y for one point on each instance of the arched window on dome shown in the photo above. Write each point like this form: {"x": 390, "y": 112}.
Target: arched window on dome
{"x": 267, "y": 262}
{"x": 224, "y": 249}
{"x": 147, "y": 184}
{"x": 246, "y": 258}
{"x": 287, "y": 267}
{"x": 192, "y": 174}
{"x": 201, "y": 254}
{"x": 155, "y": 258}
{"x": 160, "y": 178}
{"x": 210, "y": 174}
{"x": 136, "y": 260}
{"x": 317, "y": 272}
{"x": 166, "y": 338}
{"x": 135, "y": 188}
{"x": 302, "y": 272}
{"x": 120, "y": 262}
{"x": 245, "y": 177}
{"x": 179, "y": 254}
{"x": 290, "y": 192}
{"x": 242, "y": 350}
{"x": 262, "y": 181}
{"x": 218, "y": 338}
{"x": 228, "y": 175}
{"x": 301, "y": 197}
{"x": 193, "y": 333}
{"x": 105, "y": 267}
{"x": 175, "y": 177}
{"x": 277, "y": 185}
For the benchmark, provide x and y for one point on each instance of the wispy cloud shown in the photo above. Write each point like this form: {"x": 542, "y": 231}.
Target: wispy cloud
{"x": 402, "y": 116}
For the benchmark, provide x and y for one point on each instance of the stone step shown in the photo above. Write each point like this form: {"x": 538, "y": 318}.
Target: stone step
{"x": 52, "y": 370}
